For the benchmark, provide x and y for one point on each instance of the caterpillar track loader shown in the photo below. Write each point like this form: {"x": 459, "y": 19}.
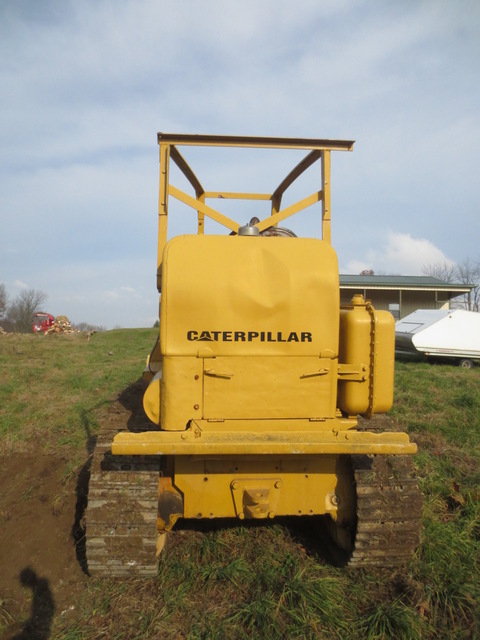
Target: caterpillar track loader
{"x": 256, "y": 383}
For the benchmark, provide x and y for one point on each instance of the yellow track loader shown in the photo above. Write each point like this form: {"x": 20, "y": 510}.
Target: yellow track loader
{"x": 256, "y": 382}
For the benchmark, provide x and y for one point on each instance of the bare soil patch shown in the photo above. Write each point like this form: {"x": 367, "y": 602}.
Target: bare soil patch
{"x": 42, "y": 553}
{"x": 40, "y": 574}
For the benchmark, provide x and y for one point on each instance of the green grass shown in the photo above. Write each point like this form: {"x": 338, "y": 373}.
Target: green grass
{"x": 261, "y": 581}
{"x": 440, "y": 406}
{"x": 54, "y": 388}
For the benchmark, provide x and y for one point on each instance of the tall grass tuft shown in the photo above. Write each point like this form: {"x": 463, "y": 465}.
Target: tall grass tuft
{"x": 391, "y": 619}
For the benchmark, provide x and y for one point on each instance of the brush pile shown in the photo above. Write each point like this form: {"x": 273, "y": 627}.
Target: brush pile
{"x": 61, "y": 325}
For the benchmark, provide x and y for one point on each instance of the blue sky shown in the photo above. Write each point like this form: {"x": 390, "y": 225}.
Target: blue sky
{"x": 87, "y": 85}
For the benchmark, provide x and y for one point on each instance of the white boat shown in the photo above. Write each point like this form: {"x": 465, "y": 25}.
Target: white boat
{"x": 440, "y": 333}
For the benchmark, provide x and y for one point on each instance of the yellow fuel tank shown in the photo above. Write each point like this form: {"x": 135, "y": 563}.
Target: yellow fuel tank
{"x": 366, "y": 354}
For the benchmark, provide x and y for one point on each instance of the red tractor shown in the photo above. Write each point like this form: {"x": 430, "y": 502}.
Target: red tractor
{"x": 42, "y": 322}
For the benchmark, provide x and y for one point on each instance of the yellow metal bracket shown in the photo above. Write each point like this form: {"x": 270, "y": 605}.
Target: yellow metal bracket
{"x": 313, "y": 374}
{"x": 203, "y": 208}
{"x": 352, "y": 373}
{"x": 218, "y": 374}
{"x": 256, "y": 498}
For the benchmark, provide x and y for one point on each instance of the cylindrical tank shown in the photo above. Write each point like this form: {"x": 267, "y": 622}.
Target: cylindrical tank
{"x": 367, "y": 344}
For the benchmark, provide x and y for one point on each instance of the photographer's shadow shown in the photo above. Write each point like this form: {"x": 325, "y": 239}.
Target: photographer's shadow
{"x": 38, "y": 626}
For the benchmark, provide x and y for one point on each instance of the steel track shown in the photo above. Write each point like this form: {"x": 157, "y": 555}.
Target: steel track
{"x": 121, "y": 516}
{"x": 389, "y": 511}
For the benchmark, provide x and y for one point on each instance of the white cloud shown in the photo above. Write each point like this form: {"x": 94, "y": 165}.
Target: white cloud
{"x": 20, "y": 284}
{"x": 111, "y": 295}
{"x": 401, "y": 255}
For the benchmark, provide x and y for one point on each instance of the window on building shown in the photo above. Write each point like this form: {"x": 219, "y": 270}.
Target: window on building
{"x": 394, "y": 309}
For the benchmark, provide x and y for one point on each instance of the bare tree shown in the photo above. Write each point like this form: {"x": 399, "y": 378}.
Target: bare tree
{"x": 19, "y": 315}
{"x": 445, "y": 271}
{"x": 468, "y": 272}
{"x": 3, "y": 300}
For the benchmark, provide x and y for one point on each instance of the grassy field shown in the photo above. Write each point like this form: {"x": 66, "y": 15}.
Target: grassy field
{"x": 268, "y": 581}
